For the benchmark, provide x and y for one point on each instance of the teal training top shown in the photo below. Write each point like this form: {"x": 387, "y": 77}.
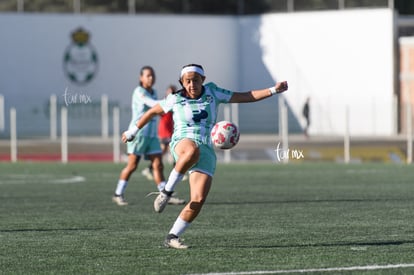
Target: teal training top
{"x": 143, "y": 100}
{"x": 194, "y": 118}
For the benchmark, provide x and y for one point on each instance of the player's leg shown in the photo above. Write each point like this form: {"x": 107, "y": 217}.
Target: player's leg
{"x": 147, "y": 171}
{"x": 186, "y": 154}
{"x": 201, "y": 176}
{"x": 164, "y": 146}
{"x": 153, "y": 153}
{"x": 200, "y": 184}
{"x": 124, "y": 176}
{"x": 157, "y": 170}
{"x": 135, "y": 150}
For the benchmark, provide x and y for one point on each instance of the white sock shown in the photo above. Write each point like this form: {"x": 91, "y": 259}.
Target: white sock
{"x": 120, "y": 188}
{"x": 173, "y": 179}
{"x": 161, "y": 186}
{"x": 179, "y": 227}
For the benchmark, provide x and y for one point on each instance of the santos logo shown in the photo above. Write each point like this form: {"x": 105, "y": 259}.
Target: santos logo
{"x": 80, "y": 61}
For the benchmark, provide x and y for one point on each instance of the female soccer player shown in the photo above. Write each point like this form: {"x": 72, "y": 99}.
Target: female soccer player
{"x": 166, "y": 126}
{"x": 165, "y": 131}
{"x": 195, "y": 109}
{"x": 146, "y": 142}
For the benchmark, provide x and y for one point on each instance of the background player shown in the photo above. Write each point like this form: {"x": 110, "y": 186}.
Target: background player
{"x": 165, "y": 131}
{"x": 146, "y": 142}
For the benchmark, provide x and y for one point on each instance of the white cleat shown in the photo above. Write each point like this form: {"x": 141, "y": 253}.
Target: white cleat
{"x": 174, "y": 242}
{"x": 161, "y": 202}
{"x": 147, "y": 173}
{"x": 119, "y": 200}
{"x": 173, "y": 200}
{"x": 176, "y": 201}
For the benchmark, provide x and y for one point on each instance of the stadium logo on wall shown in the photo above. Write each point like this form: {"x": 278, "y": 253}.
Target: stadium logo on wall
{"x": 80, "y": 61}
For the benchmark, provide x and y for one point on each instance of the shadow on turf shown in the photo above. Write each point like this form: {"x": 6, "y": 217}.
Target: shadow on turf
{"x": 47, "y": 229}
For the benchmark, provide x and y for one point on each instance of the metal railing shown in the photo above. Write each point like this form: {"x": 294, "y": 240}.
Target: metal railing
{"x": 186, "y": 6}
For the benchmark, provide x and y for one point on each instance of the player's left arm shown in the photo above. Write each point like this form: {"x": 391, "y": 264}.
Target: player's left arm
{"x": 256, "y": 95}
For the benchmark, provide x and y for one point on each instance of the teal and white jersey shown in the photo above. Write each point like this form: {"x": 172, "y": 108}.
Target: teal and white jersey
{"x": 143, "y": 100}
{"x": 194, "y": 118}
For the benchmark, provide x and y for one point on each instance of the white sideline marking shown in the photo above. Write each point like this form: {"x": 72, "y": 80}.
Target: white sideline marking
{"x": 73, "y": 179}
{"x": 43, "y": 178}
{"x": 350, "y": 268}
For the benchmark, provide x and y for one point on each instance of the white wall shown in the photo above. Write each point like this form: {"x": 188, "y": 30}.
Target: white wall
{"x": 337, "y": 58}
{"x": 33, "y": 46}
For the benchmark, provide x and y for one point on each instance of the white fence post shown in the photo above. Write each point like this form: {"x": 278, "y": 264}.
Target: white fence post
{"x": 116, "y": 140}
{"x": 104, "y": 116}
{"x": 395, "y": 114}
{"x": 76, "y": 6}
{"x": 131, "y": 7}
{"x": 347, "y": 154}
{"x": 290, "y": 5}
{"x": 13, "y": 135}
{"x": 64, "y": 134}
{"x": 2, "y": 114}
{"x": 227, "y": 116}
{"x": 53, "y": 117}
{"x": 235, "y": 113}
{"x": 409, "y": 132}
{"x": 20, "y": 5}
{"x": 285, "y": 128}
{"x": 281, "y": 102}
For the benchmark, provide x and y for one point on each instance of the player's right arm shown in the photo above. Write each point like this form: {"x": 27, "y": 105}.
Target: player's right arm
{"x": 149, "y": 101}
{"x": 148, "y": 115}
{"x": 141, "y": 97}
{"x": 130, "y": 134}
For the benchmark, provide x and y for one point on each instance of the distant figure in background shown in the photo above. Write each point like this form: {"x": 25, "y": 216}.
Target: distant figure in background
{"x": 166, "y": 128}
{"x": 306, "y": 115}
{"x": 165, "y": 131}
{"x": 146, "y": 142}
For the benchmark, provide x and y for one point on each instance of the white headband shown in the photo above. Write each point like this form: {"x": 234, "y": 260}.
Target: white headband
{"x": 192, "y": 69}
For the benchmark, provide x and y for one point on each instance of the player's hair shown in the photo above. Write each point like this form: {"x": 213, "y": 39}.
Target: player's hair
{"x": 147, "y": 67}
{"x": 179, "y": 79}
{"x": 172, "y": 87}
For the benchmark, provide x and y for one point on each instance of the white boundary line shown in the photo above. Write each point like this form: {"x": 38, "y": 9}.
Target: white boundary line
{"x": 350, "y": 268}
{"x": 74, "y": 179}
{"x": 43, "y": 178}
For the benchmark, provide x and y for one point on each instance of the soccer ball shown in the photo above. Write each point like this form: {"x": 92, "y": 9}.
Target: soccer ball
{"x": 225, "y": 135}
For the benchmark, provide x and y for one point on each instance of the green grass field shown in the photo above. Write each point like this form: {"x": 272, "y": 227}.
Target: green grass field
{"x": 59, "y": 219}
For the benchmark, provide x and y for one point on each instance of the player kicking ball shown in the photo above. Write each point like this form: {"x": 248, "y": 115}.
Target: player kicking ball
{"x": 195, "y": 109}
